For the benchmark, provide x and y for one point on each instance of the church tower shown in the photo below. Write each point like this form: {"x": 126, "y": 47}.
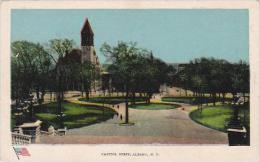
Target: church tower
{"x": 87, "y": 43}
{"x": 88, "y": 52}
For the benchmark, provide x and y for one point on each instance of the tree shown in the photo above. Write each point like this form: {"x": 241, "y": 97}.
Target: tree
{"x": 123, "y": 57}
{"x": 88, "y": 74}
{"x": 61, "y": 47}
{"x": 155, "y": 74}
{"x": 30, "y": 67}
{"x": 214, "y": 76}
{"x": 240, "y": 78}
{"x": 23, "y": 68}
{"x": 134, "y": 70}
{"x": 44, "y": 68}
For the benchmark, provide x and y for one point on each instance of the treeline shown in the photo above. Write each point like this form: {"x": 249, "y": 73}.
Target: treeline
{"x": 58, "y": 68}
{"x": 54, "y": 68}
{"x": 215, "y": 77}
{"x": 135, "y": 70}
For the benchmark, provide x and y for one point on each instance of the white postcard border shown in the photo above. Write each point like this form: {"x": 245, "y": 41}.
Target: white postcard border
{"x": 166, "y": 152}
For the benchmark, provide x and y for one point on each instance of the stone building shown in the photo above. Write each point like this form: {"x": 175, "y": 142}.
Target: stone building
{"x": 86, "y": 53}
{"x": 87, "y": 45}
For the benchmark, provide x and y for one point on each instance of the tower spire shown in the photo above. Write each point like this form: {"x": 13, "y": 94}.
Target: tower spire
{"x": 87, "y": 34}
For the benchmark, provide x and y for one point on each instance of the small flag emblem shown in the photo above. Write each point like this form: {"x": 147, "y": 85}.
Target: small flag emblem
{"x": 22, "y": 151}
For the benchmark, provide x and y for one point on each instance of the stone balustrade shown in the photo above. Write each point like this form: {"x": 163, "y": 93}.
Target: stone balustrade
{"x": 21, "y": 139}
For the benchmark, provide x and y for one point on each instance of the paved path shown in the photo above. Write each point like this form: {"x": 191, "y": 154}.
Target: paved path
{"x": 150, "y": 126}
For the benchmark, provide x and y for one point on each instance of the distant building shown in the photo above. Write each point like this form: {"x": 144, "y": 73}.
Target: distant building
{"x": 73, "y": 57}
{"x": 181, "y": 67}
{"x": 86, "y": 53}
{"x": 87, "y": 45}
{"x": 178, "y": 66}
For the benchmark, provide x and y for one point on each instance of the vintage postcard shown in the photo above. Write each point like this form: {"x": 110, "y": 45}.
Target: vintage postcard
{"x": 129, "y": 80}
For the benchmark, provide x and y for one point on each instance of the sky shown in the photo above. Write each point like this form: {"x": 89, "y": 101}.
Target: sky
{"x": 174, "y": 35}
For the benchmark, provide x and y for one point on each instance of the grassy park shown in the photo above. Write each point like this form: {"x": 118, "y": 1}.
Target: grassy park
{"x": 154, "y": 106}
{"x": 75, "y": 115}
{"x": 129, "y": 80}
{"x": 192, "y": 99}
{"x": 217, "y": 117}
{"x": 112, "y": 99}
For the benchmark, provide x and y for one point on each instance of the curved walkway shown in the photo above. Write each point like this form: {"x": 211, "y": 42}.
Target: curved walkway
{"x": 172, "y": 126}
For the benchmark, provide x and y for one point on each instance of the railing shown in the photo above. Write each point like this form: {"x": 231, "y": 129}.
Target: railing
{"x": 45, "y": 133}
{"x": 21, "y": 139}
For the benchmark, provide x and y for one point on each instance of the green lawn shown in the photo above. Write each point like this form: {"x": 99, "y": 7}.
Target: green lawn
{"x": 153, "y": 106}
{"x": 178, "y": 99}
{"x": 217, "y": 117}
{"x": 191, "y": 99}
{"x": 111, "y": 100}
{"x": 46, "y": 116}
{"x": 75, "y": 115}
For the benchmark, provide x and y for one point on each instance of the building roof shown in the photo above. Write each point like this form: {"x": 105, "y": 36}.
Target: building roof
{"x": 104, "y": 72}
{"x": 33, "y": 124}
{"x": 87, "y": 28}
{"x": 73, "y": 57}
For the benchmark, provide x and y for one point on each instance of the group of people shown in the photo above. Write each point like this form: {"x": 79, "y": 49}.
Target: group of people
{"x": 116, "y": 115}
